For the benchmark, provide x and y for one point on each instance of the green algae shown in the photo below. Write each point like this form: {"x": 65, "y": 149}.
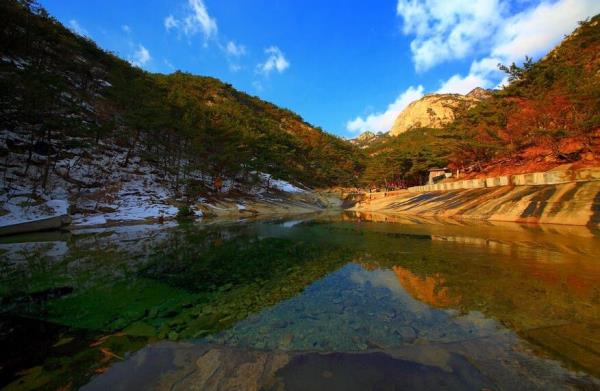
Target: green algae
{"x": 113, "y": 307}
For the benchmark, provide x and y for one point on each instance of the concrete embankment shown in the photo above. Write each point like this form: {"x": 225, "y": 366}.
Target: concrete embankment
{"x": 573, "y": 203}
{"x": 48, "y": 224}
{"x": 553, "y": 177}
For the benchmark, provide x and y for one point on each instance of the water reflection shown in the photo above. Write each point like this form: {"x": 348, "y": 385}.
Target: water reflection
{"x": 304, "y": 294}
{"x": 428, "y": 289}
{"x": 353, "y": 309}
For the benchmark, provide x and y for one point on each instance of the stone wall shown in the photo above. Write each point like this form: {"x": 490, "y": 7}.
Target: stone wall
{"x": 531, "y": 179}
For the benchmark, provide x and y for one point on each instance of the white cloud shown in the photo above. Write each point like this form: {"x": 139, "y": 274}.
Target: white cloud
{"x": 503, "y": 83}
{"x": 140, "y": 57}
{"x": 486, "y": 66}
{"x": 454, "y": 29}
{"x": 257, "y": 85}
{"x": 171, "y": 22}
{"x": 195, "y": 20}
{"x": 126, "y": 28}
{"x": 448, "y": 29}
{"x": 382, "y": 122}
{"x": 275, "y": 61}
{"x": 199, "y": 19}
{"x": 169, "y": 64}
{"x": 536, "y": 30}
{"x": 533, "y": 32}
{"x": 76, "y": 28}
{"x": 235, "y": 50}
{"x": 462, "y": 85}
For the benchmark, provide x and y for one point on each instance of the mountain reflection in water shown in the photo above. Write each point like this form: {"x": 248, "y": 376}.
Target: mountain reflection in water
{"x": 330, "y": 302}
{"x": 428, "y": 289}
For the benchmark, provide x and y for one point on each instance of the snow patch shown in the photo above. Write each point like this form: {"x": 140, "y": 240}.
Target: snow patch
{"x": 129, "y": 210}
{"x": 291, "y": 223}
{"x": 18, "y": 62}
{"x": 280, "y": 184}
{"x": 22, "y": 209}
{"x": 104, "y": 83}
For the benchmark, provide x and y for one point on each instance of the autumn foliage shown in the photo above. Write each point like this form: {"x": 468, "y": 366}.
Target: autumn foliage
{"x": 549, "y": 113}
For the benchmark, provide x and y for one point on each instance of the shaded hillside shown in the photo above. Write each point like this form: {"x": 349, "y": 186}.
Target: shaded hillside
{"x": 403, "y": 160}
{"x": 548, "y": 115}
{"x": 62, "y": 97}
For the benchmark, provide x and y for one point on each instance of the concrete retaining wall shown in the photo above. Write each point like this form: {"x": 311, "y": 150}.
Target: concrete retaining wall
{"x": 50, "y": 223}
{"x": 531, "y": 179}
{"x": 572, "y": 203}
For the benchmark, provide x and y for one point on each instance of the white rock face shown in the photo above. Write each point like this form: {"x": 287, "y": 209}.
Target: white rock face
{"x": 366, "y": 136}
{"x": 435, "y": 110}
{"x": 365, "y": 139}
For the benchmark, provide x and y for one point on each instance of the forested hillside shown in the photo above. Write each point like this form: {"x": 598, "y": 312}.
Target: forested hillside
{"x": 62, "y": 97}
{"x": 548, "y": 115}
{"x": 73, "y": 114}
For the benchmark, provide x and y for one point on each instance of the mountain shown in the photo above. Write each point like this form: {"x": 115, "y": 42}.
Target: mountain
{"x": 365, "y": 138}
{"x": 435, "y": 110}
{"x": 547, "y": 116}
{"x": 479, "y": 93}
{"x": 79, "y": 124}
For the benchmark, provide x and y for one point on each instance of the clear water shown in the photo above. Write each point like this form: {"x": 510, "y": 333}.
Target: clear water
{"x": 325, "y": 302}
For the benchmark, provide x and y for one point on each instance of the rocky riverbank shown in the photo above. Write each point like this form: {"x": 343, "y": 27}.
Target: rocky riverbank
{"x": 272, "y": 204}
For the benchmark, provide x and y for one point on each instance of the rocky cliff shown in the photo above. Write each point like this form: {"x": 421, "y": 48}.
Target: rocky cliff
{"x": 365, "y": 138}
{"x": 435, "y": 110}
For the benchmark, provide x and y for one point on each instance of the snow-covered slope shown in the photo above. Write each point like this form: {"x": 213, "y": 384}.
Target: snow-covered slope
{"x": 100, "y": 184}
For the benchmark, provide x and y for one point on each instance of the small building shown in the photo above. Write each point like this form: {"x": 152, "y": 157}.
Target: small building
{"x": 437, "y": 174}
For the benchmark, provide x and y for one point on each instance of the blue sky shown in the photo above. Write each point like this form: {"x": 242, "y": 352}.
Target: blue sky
{"x": 346, "y": 66}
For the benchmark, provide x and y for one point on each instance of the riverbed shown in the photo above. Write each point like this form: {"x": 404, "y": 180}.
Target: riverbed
{"x": 331, "y": 301}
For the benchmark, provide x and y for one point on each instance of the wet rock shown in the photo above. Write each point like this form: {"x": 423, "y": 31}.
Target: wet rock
{"x": 177, "y": 322}
{"x": 327, "y": 374}
{"x": 286, "y": 341}
{"x": 163, "y": 332}
{"x": 173, "y": 335}
{"x": 280, "y": 324}
{"x": 407, "y": 333}
{"x": 375, "y": 344}
{"x": 140, "y": 329}
{"x": 119, "y": 324}
{"x": 201, "y": 333}
{"x": 438, "y": 334}
{"x": 359, "y": 343}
